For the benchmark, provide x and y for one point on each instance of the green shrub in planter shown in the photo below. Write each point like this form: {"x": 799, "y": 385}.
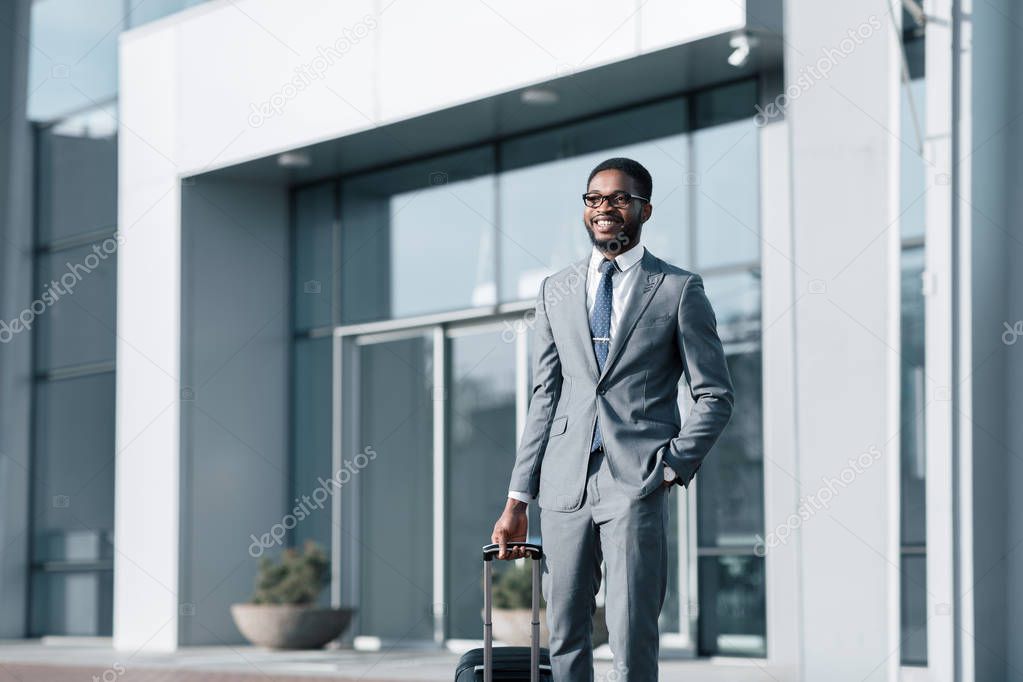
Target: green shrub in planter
{"x": 513, "y": 587}
{"x": 296, "y": 579}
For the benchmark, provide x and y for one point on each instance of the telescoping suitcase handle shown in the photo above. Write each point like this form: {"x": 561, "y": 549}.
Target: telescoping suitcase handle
{"x": 489, "y": 553}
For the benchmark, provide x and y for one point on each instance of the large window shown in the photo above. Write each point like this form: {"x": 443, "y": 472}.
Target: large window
{"x": 913, "y": 526}
{"x": 424, "y": 270}
{"x": 730, "y": 488}
{"x": 73, "y": 60}
{"x": 72, "y": 523}
{"x": 418, "y": 238}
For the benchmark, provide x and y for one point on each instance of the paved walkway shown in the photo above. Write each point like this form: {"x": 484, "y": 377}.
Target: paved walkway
{"x": 34, "y": 661}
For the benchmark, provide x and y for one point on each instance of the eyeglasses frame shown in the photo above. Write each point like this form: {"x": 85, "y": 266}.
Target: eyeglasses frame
{"x": 607, "y": 198}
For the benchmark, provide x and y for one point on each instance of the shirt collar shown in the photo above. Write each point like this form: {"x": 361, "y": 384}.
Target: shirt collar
{"x": 624, "y": 261}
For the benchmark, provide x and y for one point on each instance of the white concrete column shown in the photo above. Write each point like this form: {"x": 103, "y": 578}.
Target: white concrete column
{"x": 939, "y": 289}
{"x": 781, "y": 543}
{"x": 843, "y": 135}
{"x": 146, "y": 536}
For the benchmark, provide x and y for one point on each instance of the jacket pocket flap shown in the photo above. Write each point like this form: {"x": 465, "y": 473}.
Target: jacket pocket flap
{"x": 559, "y": 425}
{"x": 651, "y": 321}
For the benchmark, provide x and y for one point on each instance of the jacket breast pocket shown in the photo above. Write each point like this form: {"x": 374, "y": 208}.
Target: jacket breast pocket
{"x": 558, "y": 426}
{"x": 655, "y": 320}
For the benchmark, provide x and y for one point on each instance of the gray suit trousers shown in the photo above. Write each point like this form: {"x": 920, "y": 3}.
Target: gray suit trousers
{"x": 630, "y": 536}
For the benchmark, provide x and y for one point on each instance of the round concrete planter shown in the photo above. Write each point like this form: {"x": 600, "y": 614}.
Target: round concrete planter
{"x": 289, "y": 626}
{"x": 513, "y": 627}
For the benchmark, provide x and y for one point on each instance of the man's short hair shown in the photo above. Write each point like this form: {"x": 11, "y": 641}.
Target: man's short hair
{"x": 634, "y": 169}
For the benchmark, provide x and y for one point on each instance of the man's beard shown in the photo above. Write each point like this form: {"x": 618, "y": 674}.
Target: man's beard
{"x": 625, "y": 238}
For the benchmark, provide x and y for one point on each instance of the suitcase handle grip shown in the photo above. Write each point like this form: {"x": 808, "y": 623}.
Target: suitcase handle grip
{"x": 491, "y": 551}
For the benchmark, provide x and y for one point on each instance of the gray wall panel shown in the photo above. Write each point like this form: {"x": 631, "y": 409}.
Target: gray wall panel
{"x": 235, "y": 368}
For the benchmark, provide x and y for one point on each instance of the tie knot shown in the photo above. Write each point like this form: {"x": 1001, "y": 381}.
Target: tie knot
{"x": 607, "y": 267}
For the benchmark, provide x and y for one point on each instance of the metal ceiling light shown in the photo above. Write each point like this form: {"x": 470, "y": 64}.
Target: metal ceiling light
{"x": 741, "y": 45}
{"x": 294, "y": 160}
{"x": 540, "y": 96}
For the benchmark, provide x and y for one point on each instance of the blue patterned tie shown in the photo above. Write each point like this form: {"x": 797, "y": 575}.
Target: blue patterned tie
{"x": 600, "y": 329}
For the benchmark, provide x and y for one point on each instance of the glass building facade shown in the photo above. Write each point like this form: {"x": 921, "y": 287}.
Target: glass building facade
{"x": 73, "y": 460}
{"x": 72, "y": 86}
{"x": 411, "y": 287}
{"x": 422, "y": 274}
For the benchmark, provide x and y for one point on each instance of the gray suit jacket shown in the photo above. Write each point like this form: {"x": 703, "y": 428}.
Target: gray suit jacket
{"x": 667, "y": 328}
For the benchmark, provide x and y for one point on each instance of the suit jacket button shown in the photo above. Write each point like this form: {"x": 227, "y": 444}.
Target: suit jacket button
{"x": 601, "y": 390}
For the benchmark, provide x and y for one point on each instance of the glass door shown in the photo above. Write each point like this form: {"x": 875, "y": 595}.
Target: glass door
{"x": 390, "y": 416}
{"x": 481, "y": 436}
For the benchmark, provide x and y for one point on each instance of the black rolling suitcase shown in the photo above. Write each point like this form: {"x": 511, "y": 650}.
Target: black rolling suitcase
{"x": 507, "y": 662}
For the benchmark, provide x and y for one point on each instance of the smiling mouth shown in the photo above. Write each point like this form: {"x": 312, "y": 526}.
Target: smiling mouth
{"x": 605, "y": 224}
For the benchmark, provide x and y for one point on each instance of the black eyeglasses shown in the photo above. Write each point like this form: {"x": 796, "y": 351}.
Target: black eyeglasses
{"x": 618, "y": 199}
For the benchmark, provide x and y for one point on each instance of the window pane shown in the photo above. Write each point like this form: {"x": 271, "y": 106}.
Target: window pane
{"x": 395, "y": 538}
{"x": 72, "y": 603}
{"x": 73, "y": 62}
{"x": 151, "y": 10}
{"x": 736, "y": 301}
{"x": 732, "y": 606}
{"x": 544, "y": 176}
{"x": 79, "y": 325}
{"x": 731, "y": 481}
{"x": 912, "y": 181}
{"x": 730, "y": 497}
{"x": 481, "y": 448}
{"x": 311, "y": 436}
{"x": 727, "y": 200}
{"x": 911, "y": 432}
{"x": 78, "y": 176}
{"x": 419, "y": 238}
{"x": 914, "y": 609}
{"x": 913, "y": 496}
{"x": 315, "y": 210}
{"x": 73, "y": 468}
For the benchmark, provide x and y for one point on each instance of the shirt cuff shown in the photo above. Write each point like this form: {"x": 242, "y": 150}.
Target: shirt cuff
{"x": 520, "y": 496}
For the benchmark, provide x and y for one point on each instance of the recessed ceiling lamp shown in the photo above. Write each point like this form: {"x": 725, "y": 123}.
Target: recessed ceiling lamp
{"x": 539, "y": 96}
{"x": 294, "y": 160}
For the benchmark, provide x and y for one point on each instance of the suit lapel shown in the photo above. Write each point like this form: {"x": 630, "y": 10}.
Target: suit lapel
{"x": 650, "y": 277}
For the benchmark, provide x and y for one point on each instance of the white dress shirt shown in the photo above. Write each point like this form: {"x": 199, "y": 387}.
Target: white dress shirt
{"x": 622, "y": 284}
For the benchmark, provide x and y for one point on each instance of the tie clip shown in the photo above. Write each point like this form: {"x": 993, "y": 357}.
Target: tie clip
{"x": 601, "y": 338}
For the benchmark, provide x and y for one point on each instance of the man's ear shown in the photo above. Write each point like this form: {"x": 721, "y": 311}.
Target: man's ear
{"x": 644, "y": 214}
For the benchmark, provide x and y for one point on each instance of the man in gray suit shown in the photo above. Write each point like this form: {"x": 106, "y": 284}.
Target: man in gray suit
{"x": 603, "y": 443}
